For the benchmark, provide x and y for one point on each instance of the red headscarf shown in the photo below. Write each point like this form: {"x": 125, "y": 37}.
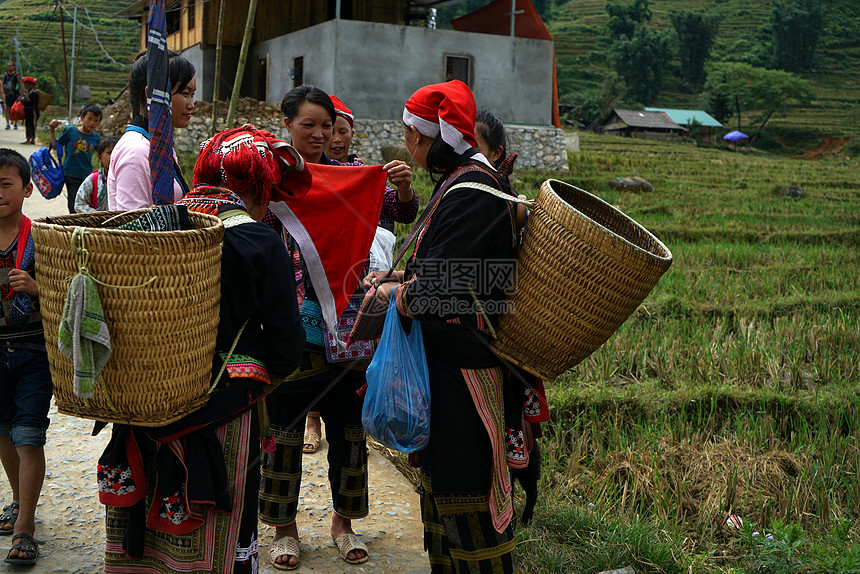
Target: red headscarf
{"x": 341, "y": 110}
{"x": 249, "y": 160}
{"x": 447, "y": 108}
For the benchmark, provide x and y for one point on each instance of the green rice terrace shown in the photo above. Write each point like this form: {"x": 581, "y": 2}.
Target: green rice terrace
{"x": 733, "y": 390}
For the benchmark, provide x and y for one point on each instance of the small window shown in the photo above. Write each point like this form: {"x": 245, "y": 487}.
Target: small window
{"x": 298, "y": 71}
{"x": 171, "y": 21}
{"x": 457, "y": 68}
{"x": 192, "y": 14}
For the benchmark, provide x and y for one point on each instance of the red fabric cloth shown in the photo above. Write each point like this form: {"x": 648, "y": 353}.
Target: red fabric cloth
{"x": 340, "y": 213}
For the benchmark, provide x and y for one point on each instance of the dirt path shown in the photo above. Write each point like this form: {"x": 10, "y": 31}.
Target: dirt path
{"x": 71, "y": 521}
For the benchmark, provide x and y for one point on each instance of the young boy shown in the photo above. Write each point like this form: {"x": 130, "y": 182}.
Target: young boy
{"x": 25, "y": 381}
{"x": 79, "y": 144}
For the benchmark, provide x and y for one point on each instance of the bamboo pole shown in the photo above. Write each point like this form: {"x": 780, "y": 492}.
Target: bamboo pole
{"x": 219, "y": 46}
{"x": 65, "y": 63}
{"x": 72, "y": 79}
{"x": 240, "y": 69}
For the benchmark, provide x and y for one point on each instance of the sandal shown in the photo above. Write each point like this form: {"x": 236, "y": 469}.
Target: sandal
{"x": 311, "y": 442}
{"x": 26, "y": 544}
{"x": 348, "y": 542}
{"x": 10, "y": 517}
{"x": 286, "y": 546}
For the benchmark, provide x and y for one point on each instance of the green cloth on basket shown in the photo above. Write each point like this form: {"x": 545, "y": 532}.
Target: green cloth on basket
{"x": 83, "y": 334}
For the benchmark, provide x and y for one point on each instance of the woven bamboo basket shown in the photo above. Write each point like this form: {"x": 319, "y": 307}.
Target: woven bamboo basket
{"x": 162, "y": 333}
{"x": 582, "y": 269}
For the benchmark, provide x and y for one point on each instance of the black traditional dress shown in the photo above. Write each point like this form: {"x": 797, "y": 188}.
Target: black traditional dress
{"x": 457, "y": 282}
{"x": 183, "y": 497}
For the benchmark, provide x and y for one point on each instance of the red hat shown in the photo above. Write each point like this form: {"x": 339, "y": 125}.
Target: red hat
{"x": 341, "y": 110}
{"x": 447, "y": 108}
{"x": 29, "y": 80}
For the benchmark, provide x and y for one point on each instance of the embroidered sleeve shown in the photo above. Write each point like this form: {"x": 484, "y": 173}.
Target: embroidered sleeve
{"x": 400, "y": 211}
{"x": 82, "y": 197}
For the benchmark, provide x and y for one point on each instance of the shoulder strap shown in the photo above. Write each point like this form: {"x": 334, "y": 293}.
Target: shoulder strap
{"x": 23, "y": 238}
{"x": 431, "y": 207}
{"x": 94, "y": 195}
{"x": 175, "y": 168}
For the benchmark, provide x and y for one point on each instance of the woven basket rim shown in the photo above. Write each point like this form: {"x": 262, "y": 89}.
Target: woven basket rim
{"x": 40, "y": 222}
{"x": 547, "y": 187}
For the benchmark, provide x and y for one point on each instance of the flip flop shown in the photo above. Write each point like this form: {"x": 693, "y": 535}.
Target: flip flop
{"x": 27, "y": 544}
{"x": 10, "y": 517}
{"x": 311, "y": 442}
{"x": 348, "y": 542}
{"x": 286, "y": 546}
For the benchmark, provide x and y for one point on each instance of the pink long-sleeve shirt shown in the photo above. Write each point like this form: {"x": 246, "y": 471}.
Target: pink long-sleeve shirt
{"x": 129, "y": 184}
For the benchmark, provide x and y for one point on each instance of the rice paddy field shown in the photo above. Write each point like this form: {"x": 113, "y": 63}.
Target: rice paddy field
{"x": 732, "y": 390}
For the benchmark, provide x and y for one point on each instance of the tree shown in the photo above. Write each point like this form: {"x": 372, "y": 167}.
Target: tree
{"x": 757, "y": 89}
{"x": 642, "y": 60}
{"x": 696, "y": 35}
{"x": 624, "y": 19}
{"x": 795, "y": 25}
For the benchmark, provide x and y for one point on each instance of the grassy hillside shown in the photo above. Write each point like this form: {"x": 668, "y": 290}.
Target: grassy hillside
{"x": 104, "y": 44}
{"x": 578, "y": 27}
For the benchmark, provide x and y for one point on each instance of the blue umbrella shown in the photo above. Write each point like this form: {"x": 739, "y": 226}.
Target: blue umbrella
{"x": 735, "y": 136}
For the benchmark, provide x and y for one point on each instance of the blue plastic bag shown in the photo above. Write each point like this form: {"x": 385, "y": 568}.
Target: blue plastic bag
{"x": 397, "y": 402}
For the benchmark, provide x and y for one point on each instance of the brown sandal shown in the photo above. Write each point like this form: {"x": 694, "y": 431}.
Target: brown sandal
{"x": 26, "y": 544}
{"x": 311, "y": 442}
{"x": 9, "y": 515}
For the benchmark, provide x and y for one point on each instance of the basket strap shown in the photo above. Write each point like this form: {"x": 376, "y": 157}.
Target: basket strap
{"x": 424, "y": 218}
{"x": 492, "y": 191}
{"x": 229, "y": 356}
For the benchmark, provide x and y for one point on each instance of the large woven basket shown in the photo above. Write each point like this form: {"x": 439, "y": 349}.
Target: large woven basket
{"x": 582, "y": 269}
{"x": 162, "y": 334}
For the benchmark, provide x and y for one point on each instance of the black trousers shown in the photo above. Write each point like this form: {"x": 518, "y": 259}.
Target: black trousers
{"x": 340, "y": 409}
{"x": 72, "y": 185}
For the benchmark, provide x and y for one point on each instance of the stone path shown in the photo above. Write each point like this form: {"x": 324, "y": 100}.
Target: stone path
{"x": 71, "y": 521}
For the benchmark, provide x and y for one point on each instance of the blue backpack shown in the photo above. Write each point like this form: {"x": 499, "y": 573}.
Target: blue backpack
{"x": 46, "y": 172}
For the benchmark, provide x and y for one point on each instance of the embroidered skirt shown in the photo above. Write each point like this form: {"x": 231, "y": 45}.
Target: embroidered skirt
{"x": 465, "y": 491}
{"x": 224, "y": 542}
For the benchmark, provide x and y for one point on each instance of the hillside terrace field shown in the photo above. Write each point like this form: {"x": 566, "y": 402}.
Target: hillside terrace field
{"x": 732, "y": 390}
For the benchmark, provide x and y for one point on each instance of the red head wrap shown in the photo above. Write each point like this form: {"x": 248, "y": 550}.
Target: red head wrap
{"x": 447, "y": 108}
{"x": 341, "y": 110}
{"x": 29, "y": 80}
{"x": 248, "y": 160}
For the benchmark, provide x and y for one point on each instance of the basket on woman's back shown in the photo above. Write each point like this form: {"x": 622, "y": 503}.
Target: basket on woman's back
{"x": 582, "y": 269}
{"x": 162, "y": 331}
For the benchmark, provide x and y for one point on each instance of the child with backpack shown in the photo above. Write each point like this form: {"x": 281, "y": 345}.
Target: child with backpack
{"x": 92, "y": 194}
{"x": 25, "y": 380}
{"x": 79, "y": 144}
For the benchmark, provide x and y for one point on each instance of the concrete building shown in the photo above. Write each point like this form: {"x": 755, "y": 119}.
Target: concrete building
{"x": 373, "y": 54}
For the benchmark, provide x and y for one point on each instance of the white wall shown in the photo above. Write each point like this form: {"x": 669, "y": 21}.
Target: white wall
{"x": 375, "y": 67}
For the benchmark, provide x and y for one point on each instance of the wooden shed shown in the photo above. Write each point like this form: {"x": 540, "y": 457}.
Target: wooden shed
{"x": 699, "y": 123}
{"x": 643, "y": 124}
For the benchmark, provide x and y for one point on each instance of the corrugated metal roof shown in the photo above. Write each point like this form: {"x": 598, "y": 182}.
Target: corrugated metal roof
{"x": 686, "y": 117}
{"x": 650, "y": 120}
